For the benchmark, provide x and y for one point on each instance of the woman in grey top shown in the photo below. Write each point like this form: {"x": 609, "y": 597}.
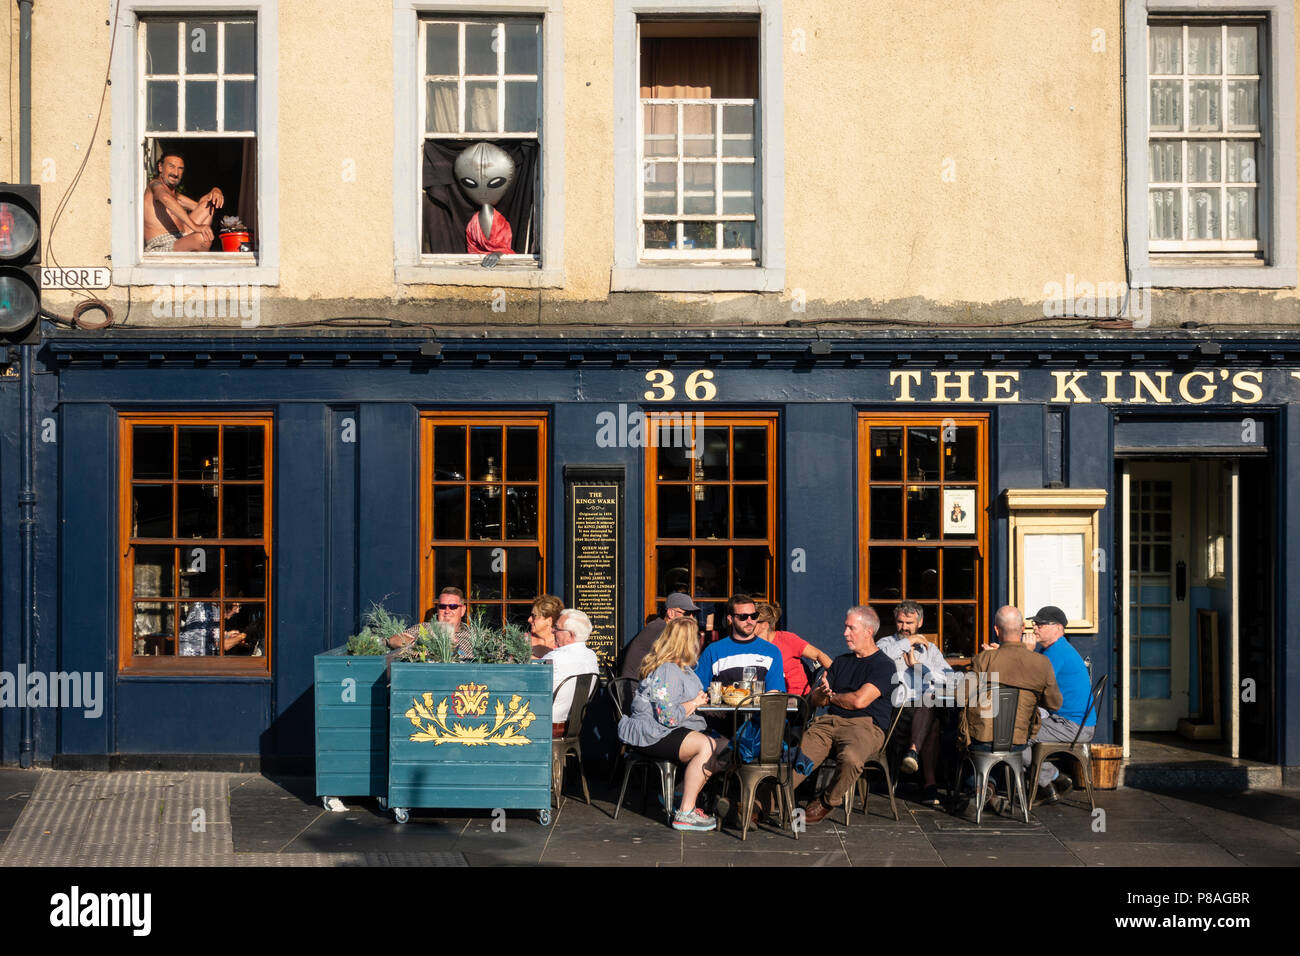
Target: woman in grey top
{"x": 663, "y": 722}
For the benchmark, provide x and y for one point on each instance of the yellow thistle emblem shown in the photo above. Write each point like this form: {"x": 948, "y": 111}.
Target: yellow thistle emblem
{"x": 470, "y": 700}
{"x": 507, "y": 727}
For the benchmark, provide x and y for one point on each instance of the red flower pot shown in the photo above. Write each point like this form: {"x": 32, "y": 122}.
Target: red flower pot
{"x": 231, "y": 241}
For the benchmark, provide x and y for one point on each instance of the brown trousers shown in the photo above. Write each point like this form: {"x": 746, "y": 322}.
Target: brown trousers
{"x": 854, "y": 740}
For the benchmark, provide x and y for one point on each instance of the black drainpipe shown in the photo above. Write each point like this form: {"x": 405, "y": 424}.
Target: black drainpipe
{"x": 27, "y": 495}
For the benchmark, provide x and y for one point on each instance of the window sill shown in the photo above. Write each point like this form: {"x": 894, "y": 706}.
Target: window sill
{"x": 702, "y": 278}
{"x": 229, "y": 268}
{"x": 181, "y": 668}
{"x": 469, "y": 272}
{"x": 1214, "y": 274}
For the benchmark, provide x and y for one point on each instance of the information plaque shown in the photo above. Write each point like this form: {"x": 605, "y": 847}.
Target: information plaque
{"x": 594, "y": 506}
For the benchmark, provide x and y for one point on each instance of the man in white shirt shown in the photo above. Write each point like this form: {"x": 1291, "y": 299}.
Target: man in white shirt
{"x": 571, "y": 656}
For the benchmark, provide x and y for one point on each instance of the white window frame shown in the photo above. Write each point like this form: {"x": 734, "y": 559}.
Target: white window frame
{"x": 130, "y": 266}
{"x": 679, "y": 161}
{"x": 632, "y": 272}
{"x": 1276, "y": 178}
{"x": 546, "y": 269}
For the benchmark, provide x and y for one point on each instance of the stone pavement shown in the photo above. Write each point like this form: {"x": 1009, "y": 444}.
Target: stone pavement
{"x": 68, "y": 818}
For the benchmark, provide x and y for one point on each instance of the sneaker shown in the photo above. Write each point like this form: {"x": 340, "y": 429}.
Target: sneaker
{"x": 697, "y": 819}
{"x": 911, "y": 762}
{"x": 930, "y": 796}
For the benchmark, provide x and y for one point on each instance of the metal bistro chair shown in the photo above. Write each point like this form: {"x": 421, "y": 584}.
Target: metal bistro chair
{"x": 880, "y": 761}
{"x": 621, "y": 692}
{"x": 1080, "y": 751}
{"x": 1004, "y": 752}
{"x": 773, "y": 719}
{"x": 562, "y": 748}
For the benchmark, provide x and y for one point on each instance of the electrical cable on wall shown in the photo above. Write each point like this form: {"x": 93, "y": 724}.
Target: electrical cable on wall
{"x": 92, "y": 301}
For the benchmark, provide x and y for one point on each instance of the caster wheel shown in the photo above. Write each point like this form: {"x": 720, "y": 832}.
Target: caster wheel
{"x": 383, "y": 803}
{"x": 333, "y": 804}
{"x": 544, "y": 817}
{"x": 401, "y": 814}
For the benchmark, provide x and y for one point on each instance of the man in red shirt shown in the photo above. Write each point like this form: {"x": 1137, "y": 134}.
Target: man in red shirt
{"x": 793, "y": 648}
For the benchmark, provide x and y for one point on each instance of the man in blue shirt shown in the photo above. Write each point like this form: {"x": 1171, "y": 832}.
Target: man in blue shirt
{"x": 725, "y": 660}
{"x": 1076, "y": 687}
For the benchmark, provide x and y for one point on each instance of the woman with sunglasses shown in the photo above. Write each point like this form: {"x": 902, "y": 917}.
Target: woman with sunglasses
{"x": 663, "y": 722}
{"x": 541, "y": 624}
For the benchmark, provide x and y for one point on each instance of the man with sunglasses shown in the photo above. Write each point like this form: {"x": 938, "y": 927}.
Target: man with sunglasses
{"x": 726, "y": 660}
{"x": 450, "y": 609}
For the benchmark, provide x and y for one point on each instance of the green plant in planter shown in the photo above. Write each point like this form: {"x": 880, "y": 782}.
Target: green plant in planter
{"x": 433, "y": 644}
{"x": 376, "y": 628}
{"x": 488, "y": 645}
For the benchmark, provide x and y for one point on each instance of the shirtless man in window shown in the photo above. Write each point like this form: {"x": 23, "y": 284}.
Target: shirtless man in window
{"x": 173, "y": 222}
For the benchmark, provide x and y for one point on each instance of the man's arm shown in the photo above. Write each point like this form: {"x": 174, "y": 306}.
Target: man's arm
{"x": 864, "y": 696}
{"x": 169, "y": 202}
{"x": 1052, "y": 696}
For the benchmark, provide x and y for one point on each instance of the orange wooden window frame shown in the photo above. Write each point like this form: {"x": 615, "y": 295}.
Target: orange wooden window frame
{"x": 767, "y": 420}
{"x": 428, "y": 422}
{"x": 231, "y": 665}
{"x": 867, "y": 421}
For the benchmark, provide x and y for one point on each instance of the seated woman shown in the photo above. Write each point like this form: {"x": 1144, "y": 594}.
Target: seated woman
{"x": 663, "y": 722}
{"x": 792, "y": 647}
{"x": 541, "y": 624}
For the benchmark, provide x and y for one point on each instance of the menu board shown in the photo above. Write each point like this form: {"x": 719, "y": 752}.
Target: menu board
{"x": 595, "y": 532}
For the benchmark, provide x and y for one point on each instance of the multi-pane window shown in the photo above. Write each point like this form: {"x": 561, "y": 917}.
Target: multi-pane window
{"x": 196, "y": 539}
{"x": 481, "y": 81}
{"x": 711, "y": 520}
{"x": 922, "y": 501}
{"x": 697, "y": 195}
{"x": 198, "y": 95}
{"x": 483, "y": 511}
{"x": 1206, "y": 140}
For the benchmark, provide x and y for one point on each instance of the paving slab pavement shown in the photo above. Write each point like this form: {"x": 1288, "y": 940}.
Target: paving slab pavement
{"x": 125, "y": 819}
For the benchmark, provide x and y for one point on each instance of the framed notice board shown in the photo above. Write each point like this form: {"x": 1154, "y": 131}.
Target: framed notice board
{"x": 593, "y": 524}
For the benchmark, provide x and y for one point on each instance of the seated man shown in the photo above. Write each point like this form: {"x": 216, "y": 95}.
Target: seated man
{"x": 1012, "y": 663}
{"x": 856, "y": 692}
{"x": 1076, "y": 690}
{"x": 677, "y": 605}
{"x": 726, "y": 660}
{"x": 174, "y": 222}
{"x": 921, "y": 671}
{"x": 571, "y": 656}
{"x": 450, "y": 610}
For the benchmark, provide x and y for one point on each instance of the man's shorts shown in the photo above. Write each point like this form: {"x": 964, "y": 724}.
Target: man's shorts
{"x": 161, "y": 243}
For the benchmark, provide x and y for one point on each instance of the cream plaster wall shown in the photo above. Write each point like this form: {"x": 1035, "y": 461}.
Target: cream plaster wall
{"x": 954, "y": 153}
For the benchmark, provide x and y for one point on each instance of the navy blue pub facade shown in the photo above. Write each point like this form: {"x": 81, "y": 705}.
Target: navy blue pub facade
{"x": 359, "y": 466}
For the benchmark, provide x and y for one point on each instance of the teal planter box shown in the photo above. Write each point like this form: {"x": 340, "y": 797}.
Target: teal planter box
{"x": 351, "y": 725}
{"x": 470, "y": 735}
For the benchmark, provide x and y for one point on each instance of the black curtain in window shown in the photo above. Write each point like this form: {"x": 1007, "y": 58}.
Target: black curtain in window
{"x": 446, "y": 211}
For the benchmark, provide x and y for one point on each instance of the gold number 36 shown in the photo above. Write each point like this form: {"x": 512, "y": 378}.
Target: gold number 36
{"x": 699, "y": 386}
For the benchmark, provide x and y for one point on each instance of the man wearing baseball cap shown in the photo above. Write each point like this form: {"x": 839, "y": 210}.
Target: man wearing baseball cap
{"x": 677, "y": 605}
{"x": 1076, "y": 688}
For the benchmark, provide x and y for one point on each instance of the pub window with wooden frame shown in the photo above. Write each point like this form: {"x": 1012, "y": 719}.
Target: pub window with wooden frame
{"x": 480, "y": 82}
{"x": 697, "y": 195}
{"x": 198, "y": 98}
{"x": 483, "y": 511}
{"x": 196, "y": 543}
{"x": 923, "y": 497}
{"x": 711, "y": 503}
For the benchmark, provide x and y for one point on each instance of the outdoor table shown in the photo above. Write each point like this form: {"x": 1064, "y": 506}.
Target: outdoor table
{"x": 724, "y": 709}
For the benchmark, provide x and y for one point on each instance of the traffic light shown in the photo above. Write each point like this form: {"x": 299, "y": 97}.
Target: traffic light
{"x": 20, "y": 264}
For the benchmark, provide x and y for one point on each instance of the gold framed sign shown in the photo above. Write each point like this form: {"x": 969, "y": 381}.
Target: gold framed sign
{"x": 1055, "y": 557}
